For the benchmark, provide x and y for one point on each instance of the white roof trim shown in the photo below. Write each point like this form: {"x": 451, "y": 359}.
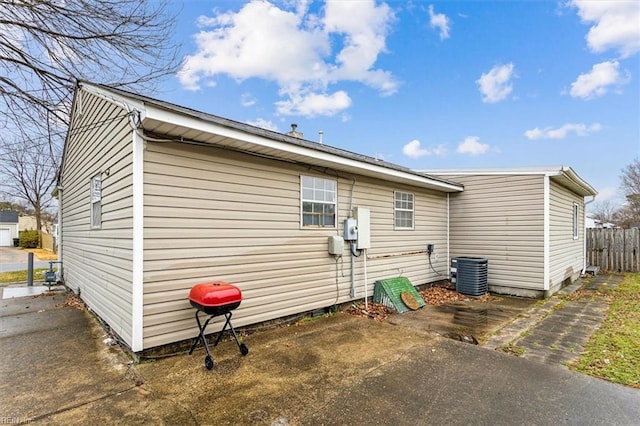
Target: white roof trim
{"x": 152, "y": 110}
{"x": 300, "y": 152}
{"x": 548, "y": 171}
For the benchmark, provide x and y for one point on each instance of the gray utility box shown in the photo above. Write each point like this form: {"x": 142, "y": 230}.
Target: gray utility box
{"x": 469, "y": 274}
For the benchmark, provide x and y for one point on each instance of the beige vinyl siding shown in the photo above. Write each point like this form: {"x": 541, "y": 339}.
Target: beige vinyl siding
{"x": 565, "y": 252}
{"x": 97, "y": 262}
{"x": 213, "y": 214}
{"x": 501, "y": 218}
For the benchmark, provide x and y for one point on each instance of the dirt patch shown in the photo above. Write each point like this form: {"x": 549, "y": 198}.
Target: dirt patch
{"x": 44, "y": 255}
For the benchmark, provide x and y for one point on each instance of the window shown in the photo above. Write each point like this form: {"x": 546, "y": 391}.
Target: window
{"x": 96, "y": 202}
{"x": 403, "y": 210}
{"x": 318, "y": 198}
{"x": 575, "y": 221}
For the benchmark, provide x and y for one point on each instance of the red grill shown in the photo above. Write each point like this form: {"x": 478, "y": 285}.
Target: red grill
{"x": 215, "y": 298}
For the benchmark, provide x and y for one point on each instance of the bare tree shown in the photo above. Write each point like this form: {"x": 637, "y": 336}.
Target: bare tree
{"x": 603, "y": 211}
{"x": 47, "y": 45}
{"x": 629, "y": 213}
{"x": 29, "y": 175}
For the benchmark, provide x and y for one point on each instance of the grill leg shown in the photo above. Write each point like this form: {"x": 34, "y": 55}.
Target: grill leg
{"x": 243, "y": 348}
{"x": 201, "y": 337}
{"x": 227, "y": 323}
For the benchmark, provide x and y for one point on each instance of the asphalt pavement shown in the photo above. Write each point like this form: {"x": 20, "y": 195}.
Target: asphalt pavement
{"x": 16, "y": 259}
{"x": 59, "y": 366}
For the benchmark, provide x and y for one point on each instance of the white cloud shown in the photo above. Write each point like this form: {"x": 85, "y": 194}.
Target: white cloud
{"x": 439, "y": 150}
{"x": 495, "y": 85}
{"x": 312, "y": 104}
{"x": 599, "y": 80}
{"x": 264, "y": 124}
{"x": 439, "y": 21}
{"x": 472, "y": 146}
{"x": 364, "y": 39}
{"x": 616, "y": 25}
{"x": 293, "y": 48}
{"x": 561, "y": 132}
{"x": 414, "y": 149}
{"x": 247, "y": 100}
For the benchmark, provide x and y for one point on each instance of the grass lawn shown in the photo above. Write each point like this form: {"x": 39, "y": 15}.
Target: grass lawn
{"x": 613, "y": 351}
{"x": 21, "y": 276}
{"x": 38, "y": 273}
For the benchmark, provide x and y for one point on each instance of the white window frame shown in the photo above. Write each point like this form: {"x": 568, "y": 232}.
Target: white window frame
{"x": 404, "y": 209}
{"x": 314, "y": 189}
{"x": 576, "y": 221}
{"x": 96, "y": 202}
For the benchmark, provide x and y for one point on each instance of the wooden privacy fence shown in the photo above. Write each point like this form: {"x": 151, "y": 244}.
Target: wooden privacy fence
{"x": 48, "y": 242}
{"x": 614, "y": 249}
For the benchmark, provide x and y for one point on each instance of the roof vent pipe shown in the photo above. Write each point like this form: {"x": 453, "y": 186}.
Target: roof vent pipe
{"x": 294, "y": 132}
{"x": 320, "y": 135}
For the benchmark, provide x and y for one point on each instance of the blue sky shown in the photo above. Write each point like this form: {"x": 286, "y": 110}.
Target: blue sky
{"x": 427, "y": 85}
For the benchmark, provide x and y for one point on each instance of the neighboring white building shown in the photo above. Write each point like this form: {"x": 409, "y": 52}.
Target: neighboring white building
{"x": 8, "y": 227}
{"x": 595, "y": 223}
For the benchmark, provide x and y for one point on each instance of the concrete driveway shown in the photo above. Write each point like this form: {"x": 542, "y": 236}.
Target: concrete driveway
{"x": 15, "y": 259}
{"x": 341, "y": 369}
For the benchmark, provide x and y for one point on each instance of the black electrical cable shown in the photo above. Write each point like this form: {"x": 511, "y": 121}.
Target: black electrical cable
{"x": 338, "y": 258}
{"x": 432, "y": 268}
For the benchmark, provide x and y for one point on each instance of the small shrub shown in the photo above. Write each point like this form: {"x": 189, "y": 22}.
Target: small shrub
{"x": 29, "y": 239}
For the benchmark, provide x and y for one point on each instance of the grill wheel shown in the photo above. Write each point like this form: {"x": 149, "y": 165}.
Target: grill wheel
{"x": 208, "y": 362}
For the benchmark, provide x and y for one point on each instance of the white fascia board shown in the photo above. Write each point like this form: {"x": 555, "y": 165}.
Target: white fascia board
{"x": 126, "y": 103}
{"x": 177, "y": 119}
{"x": 572, "y": 176}
{"x": 496, "y": 171}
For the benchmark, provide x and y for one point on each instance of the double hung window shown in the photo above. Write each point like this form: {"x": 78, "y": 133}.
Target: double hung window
{"x": 403, "y": 211}
{"x": 319, "y": 202}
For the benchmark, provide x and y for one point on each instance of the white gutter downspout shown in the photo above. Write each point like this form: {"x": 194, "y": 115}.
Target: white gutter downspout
{"x": 584, "y": 235}
{"x": 137, "y": 291}
{"x": 448, "y": 243}
{"x": 546, "y": 230}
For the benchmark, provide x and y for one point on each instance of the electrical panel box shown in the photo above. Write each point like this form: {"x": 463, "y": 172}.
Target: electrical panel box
{"x": 363, "y": 216}
{"x": 350, "y": 229}
{"x": 336, "y": 245}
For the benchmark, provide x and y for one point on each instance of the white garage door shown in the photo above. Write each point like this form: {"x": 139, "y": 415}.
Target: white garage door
{"x": 5, "y": 237}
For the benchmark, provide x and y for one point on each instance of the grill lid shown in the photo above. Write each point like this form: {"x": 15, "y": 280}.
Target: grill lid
{"x": 215, "y": 293}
